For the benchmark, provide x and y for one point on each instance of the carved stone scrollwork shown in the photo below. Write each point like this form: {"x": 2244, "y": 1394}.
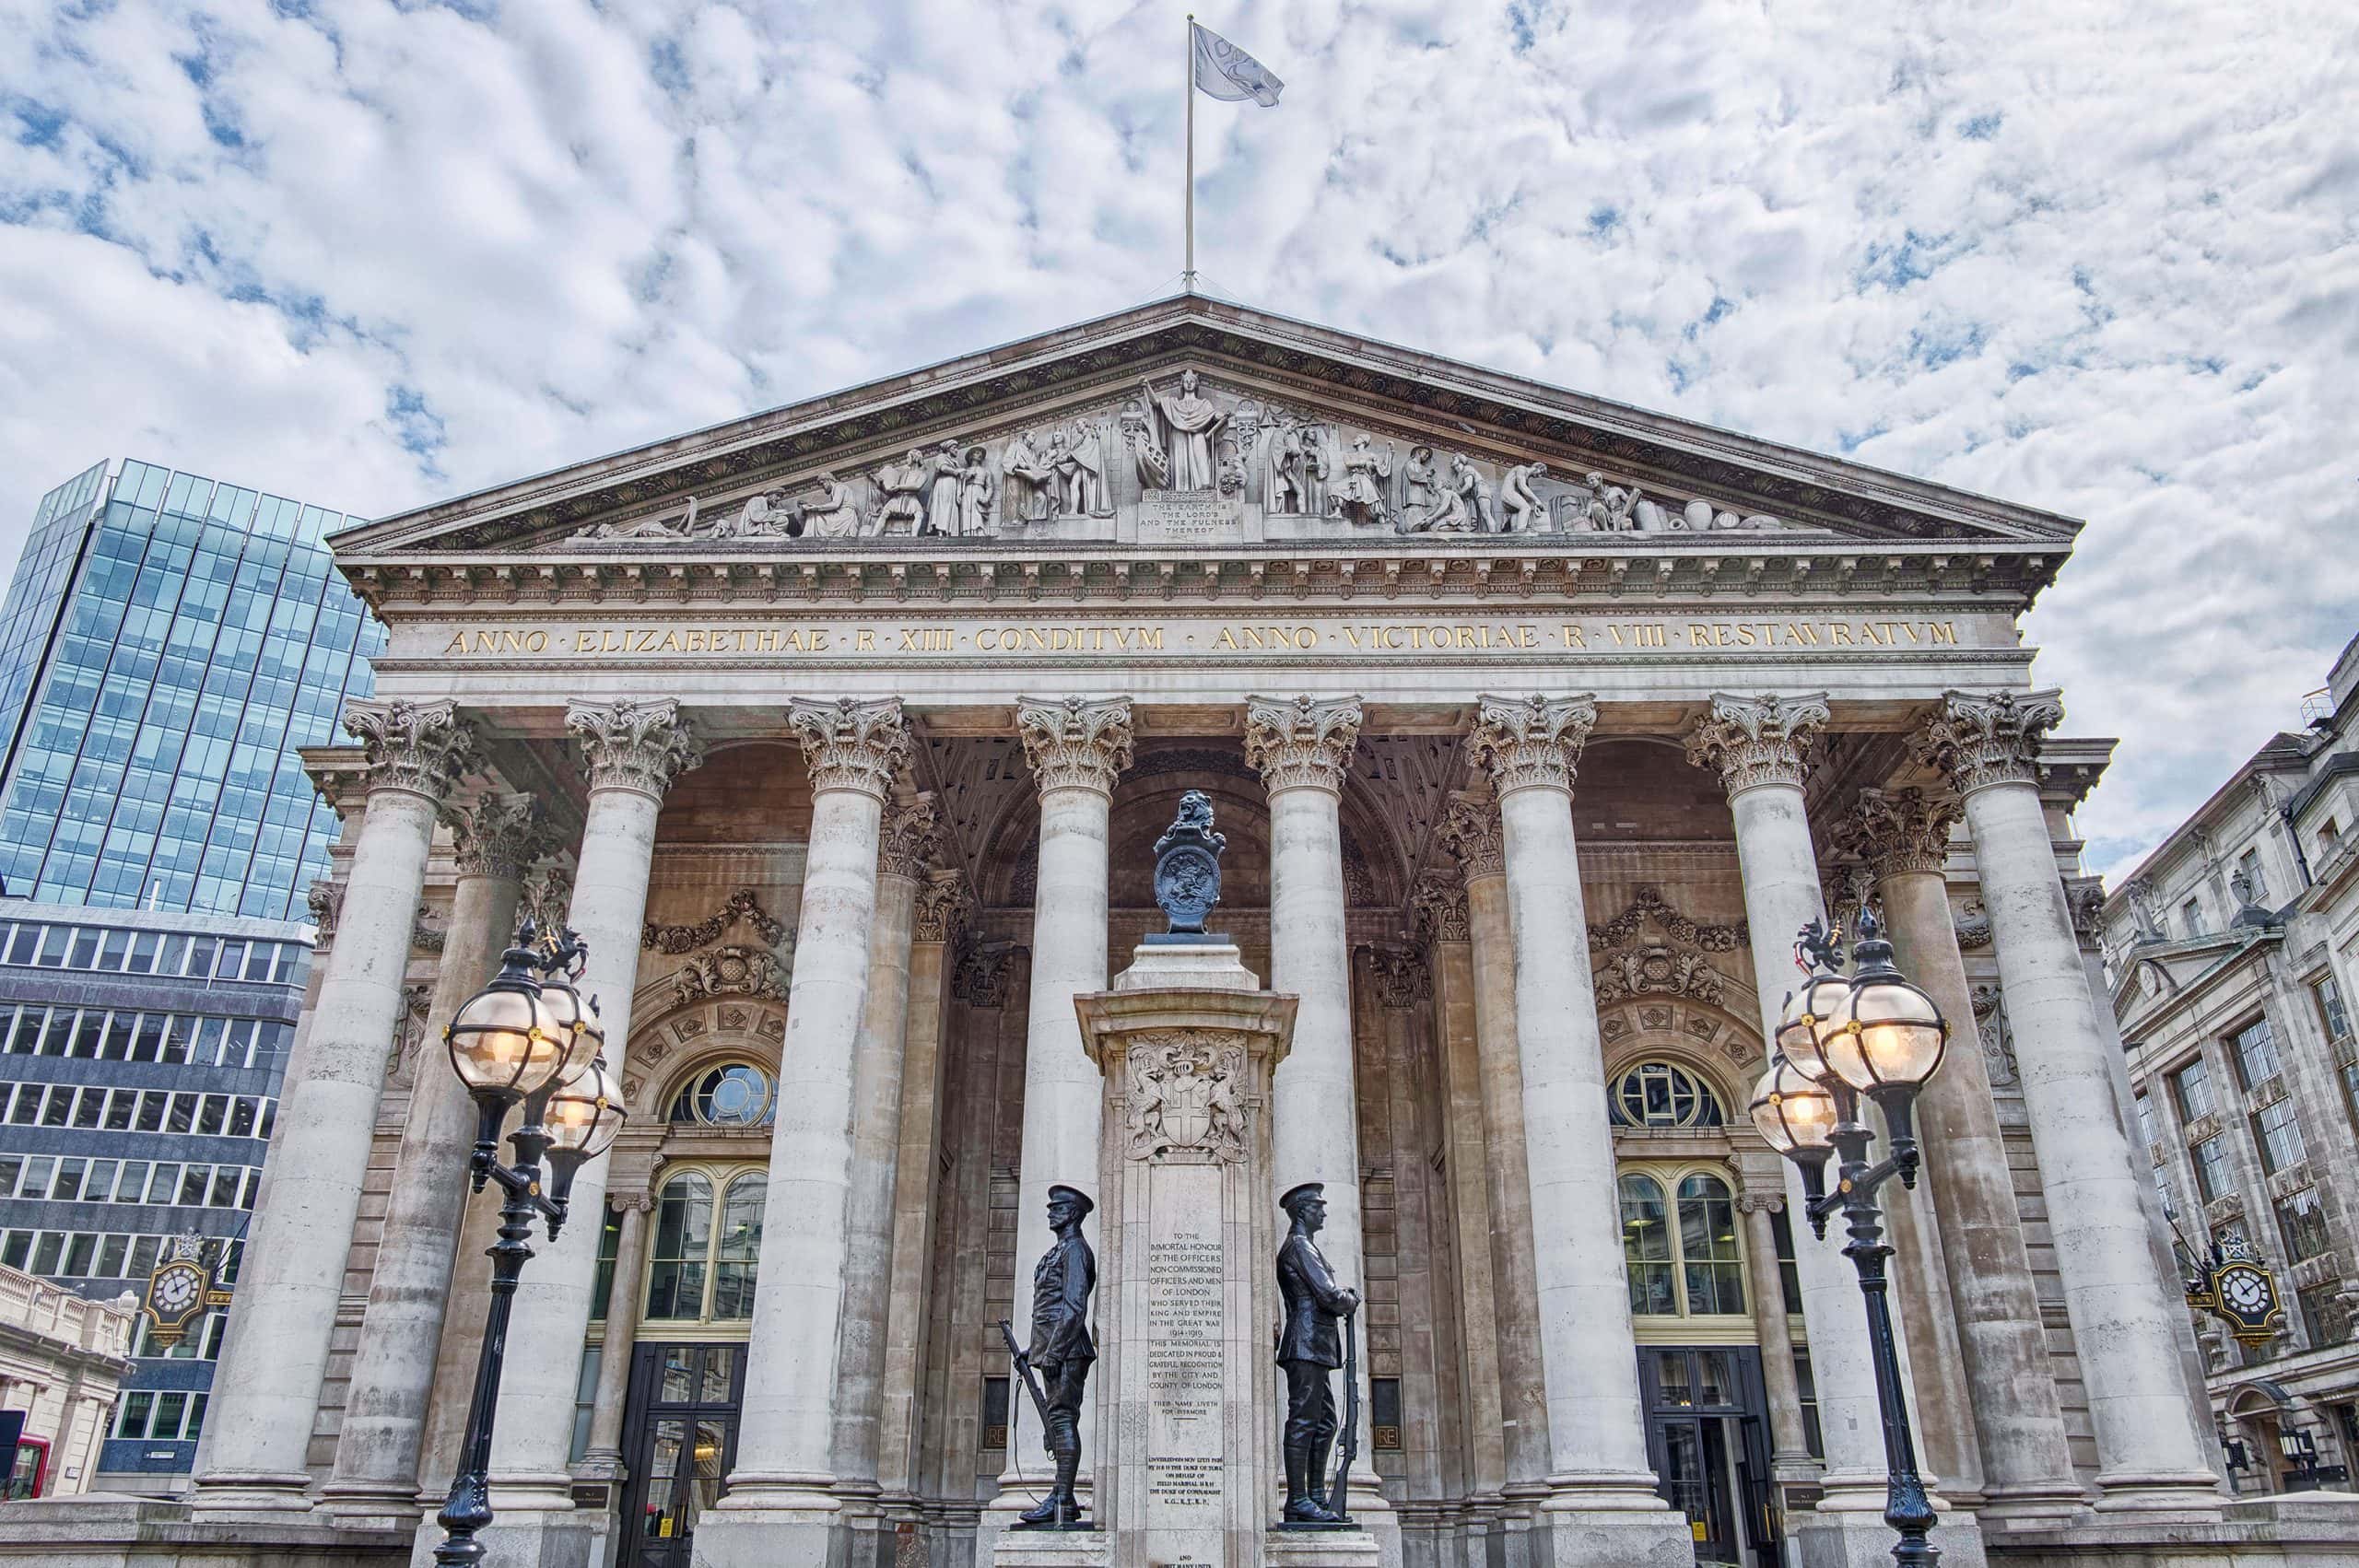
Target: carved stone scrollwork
{"x": 1185, "y": 1096}
{"x": 1302, "y": 742}
{"x": 547, "y": 897}
{"x": 744, "y": 906}
{"x": 1470, "y": 830}
{"x": 425, "y": 934}
{"x": 1532, "y": 741}
{"x": 905, "y": 842}
{"x": 1648, "y": 904}
{"x": 1899, "y": 831}
{"x": 1979, "y": 741}
{"x": 423, "y": 748}
{"x": 1753, "y": 1200}
{"x": 641, "y": 1201}
{"x": 1973, "y": 923}
{"x": 1440, "y": 905}
{"x": 1753, "y": 741}
{"x": 499, "y": 835}
{"x": 730, "y": 971}
{"x": 849, "y": 745}
{"x": 942, "y": 903}
{"x": 980, "y": 978}
{"x": 1073, "y": 742}
{"x": 1401, "y": 975}
{"x": 633, "y": 745}
{"x": 1658, "y": 969}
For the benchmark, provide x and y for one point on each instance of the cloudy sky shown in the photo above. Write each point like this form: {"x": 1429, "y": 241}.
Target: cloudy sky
{"x": 2096, "y": 256}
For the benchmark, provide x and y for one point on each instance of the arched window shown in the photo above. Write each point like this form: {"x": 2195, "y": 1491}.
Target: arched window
{"x": 1682, "y": 1256}
{"x": 1661, "y": 1093}
{"x": 698, "y": 1271}
{"x": 735, "y": 1095}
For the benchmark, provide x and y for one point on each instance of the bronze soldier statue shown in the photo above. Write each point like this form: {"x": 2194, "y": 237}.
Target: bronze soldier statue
{"x": 1309, "y": 1349}
{"x": 1062, "y": 1350}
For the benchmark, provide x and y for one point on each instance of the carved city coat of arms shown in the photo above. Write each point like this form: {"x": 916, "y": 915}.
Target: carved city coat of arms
{"x": 1184, "y": 1095}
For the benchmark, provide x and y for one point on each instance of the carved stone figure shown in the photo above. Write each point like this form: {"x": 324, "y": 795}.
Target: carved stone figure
{"x": 1610, "y": 506}
{"x": 1318, "y": 467}
{"x": 1526, "y": 512}
{"x": 681, "y": 527}
{"x": 1420, "y": 489}
{"x": 1309, "y": 1349}
{"x": 975, "y": 495}
{"x": 1451, "y": 512}
{"x": 833, "y": 515}
{"x": 1145, "y": 447}
{"x": 1061, "y": 1349}
{"x": 1032, "y": 481}
{"x": 1473, "y": 493}
{"x": 945, "y": 473}
{"x": 770, "y": 515}
{"x": 1282, "y": 482}
{"x": 1081, "y": 473}
{"x": 1185, "y": 427}
{"x": 901, "y": 487}
{"x": 1367, "y": 481}
{"x": 1187, "y": 867}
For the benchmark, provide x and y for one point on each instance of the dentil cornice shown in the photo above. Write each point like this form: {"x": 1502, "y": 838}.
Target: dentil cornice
{"x": 1981, "y": 739}
{"x": 423, "y": 748}
{"x": 1753, "y": 741}
{"x": 500, "y": 835}
{"x": 849, "y": 745}
{"x": 1470, "y": 831}
{"x": 1072, "y": 743}
{"x": 1899, "y": 831}
{"x": 633, "y": 745}
{"x": 1532, "y": 741}
{"x": 905, "y": 843}
{"x": 1303, "y": 741}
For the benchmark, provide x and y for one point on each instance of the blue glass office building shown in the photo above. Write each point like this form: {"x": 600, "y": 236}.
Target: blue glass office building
{"x": 168, "y": 643}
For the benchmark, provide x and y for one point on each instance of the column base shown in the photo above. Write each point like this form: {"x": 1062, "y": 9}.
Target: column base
{"x": 226, "y": 1497}
{"x": 1610, "y": 1528}
{"x": 1321, "y": 1549}
{"x": 371, "y": 1505}
{"x": 2033, "y": 1507}
{"x": 525, "y": 1538}
{"x": 1845, "y": 1539}
{"x": 1053, "y": 1548}
{"x": 773, "y": 1529}
{"x": 2177, "y": 1497}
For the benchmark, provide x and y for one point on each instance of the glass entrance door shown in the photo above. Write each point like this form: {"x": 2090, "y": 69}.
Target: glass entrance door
{"x": 680, "y": 1432}
{"x": 1705, "y": 1435}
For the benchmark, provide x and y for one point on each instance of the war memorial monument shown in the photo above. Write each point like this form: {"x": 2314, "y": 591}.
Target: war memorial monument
{"x": 1533, "y": 727}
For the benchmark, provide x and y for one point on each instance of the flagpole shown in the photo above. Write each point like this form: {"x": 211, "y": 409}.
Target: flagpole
{"x": 1187, "y": 276}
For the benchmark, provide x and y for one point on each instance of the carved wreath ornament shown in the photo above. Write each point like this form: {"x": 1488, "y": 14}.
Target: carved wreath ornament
{"x": 1187, "y": 1098}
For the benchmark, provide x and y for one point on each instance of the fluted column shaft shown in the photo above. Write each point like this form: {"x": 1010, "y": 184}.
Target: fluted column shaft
{"x": 779, "y": 1504}
{"x": 409, "y": 1289}
{"x": 1076, "y": 750}
{"x": 1302, "y": 748}
{"x": 1471, "y": 828}
{"x": 2124, "y": 1317}
{"x": 632, "y": 752}
{"x": 1588, "y": 1359}
{"x": 259, "y": 1424}
{"x": 908, "y": 834}
{"x": 2009, "y": 1384}
{"x": 605, "y": 1451}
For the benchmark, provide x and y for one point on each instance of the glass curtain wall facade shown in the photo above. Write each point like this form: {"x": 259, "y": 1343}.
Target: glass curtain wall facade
{"x": 171, "y": 641}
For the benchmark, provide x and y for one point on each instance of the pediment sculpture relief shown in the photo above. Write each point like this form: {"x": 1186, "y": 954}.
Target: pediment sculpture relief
{"x": 1626, "y": 965}
{"x": 1181, "y": 458}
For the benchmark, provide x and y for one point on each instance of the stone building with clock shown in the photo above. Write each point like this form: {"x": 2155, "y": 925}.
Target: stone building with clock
{"x": 1537, "y": 726}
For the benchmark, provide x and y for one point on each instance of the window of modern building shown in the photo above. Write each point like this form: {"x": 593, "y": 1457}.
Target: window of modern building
{"x": 2301, "y": 1220}
{"x": 699, "y": 1272}
{"x": 2213, "y": 1179}
{"x": 1661, "y": 1094}
{"x": 2192, "y": 1086}
{"x": 2333, "y": 1016}
{"x": 2278, "y": 1130}
{"x": 2254, "y": 1050}
{"x": 1679, "y": 1246}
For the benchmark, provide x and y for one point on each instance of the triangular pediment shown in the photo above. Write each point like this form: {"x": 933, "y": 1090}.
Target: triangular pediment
{"x": 1197, "y": 422}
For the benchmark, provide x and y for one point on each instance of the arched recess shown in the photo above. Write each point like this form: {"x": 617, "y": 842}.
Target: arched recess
{"x": 684, "y": 1038}
{"x": 1713, "y": 1041}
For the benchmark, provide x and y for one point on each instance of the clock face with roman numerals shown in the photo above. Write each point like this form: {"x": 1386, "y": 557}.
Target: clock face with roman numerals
{"x": 2247, "y": 1289}
{"x": 176, "y": 1289}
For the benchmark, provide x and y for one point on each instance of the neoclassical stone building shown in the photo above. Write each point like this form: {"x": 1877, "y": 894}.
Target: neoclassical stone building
{"x": 1537, "y": 726}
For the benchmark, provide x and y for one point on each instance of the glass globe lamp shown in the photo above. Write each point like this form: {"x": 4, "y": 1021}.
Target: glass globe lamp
{"x": 1796, "y": 1114}
{"x": 1802, "y": 1027}
{"x": 575, "y": 1024}
{"x": 506, "y": 1044}
{"x": 1884, "y": 1037}
{"x": 583, "y": 1119}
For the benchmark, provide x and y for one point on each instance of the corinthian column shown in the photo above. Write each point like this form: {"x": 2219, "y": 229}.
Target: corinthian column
{"x": 1472, "y": 831}
{"x": 260, "y": 1422}
{"x": 375, "y": 1480}
{"x": 2149, "y": 1451}
{"x": 906, "y": 844}
{"x": 1302, "y": 747}
{"x": 1999, "y": 1384}
{"x": 1759, "y": 748}
{"x": 631, "y": 753}
{"x": 1076, "y": 748}
{"x": 1600, "y": 1508}
{"x": 779, "y": 1507}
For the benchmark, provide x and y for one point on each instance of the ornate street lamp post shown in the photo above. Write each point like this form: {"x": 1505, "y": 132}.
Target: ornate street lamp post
{"x": 1871, "y": 1035}
{"x": 527, "y": 1038}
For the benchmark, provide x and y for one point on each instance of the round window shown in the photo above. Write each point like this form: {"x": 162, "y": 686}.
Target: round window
{"x": 739, "y": 1095}
{"x": 1658, "y": 1094}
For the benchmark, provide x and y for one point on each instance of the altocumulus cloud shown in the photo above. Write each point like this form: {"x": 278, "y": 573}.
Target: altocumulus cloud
{"x": 2101, "y": 258}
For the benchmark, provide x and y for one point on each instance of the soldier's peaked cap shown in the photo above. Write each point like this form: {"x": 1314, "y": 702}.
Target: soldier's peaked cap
{"x": 1297, "y": 1196}
{"x": 1074, "y": 1194}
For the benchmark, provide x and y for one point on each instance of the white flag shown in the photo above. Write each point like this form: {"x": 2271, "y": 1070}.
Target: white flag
{"x": 1229, "y": 73}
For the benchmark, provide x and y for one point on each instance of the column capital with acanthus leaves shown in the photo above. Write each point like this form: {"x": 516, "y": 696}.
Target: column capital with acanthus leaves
{"x": 906, "y": 841}
{"x": 1301, "y": 741}
{"x": 422, "y": 747}
{"x": 1073, "y": 742}
{"x": 850, "y": 745}
{"x": 1980, "y": 740}
{"x": 1753, "y": 741}
{"x": 1899, "y": 831}
{"x": 633, "y": 745}
{"x": 499, "y": 834}
{"x": 1532, "y": 741}
{"x": 1470, "y": 831}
